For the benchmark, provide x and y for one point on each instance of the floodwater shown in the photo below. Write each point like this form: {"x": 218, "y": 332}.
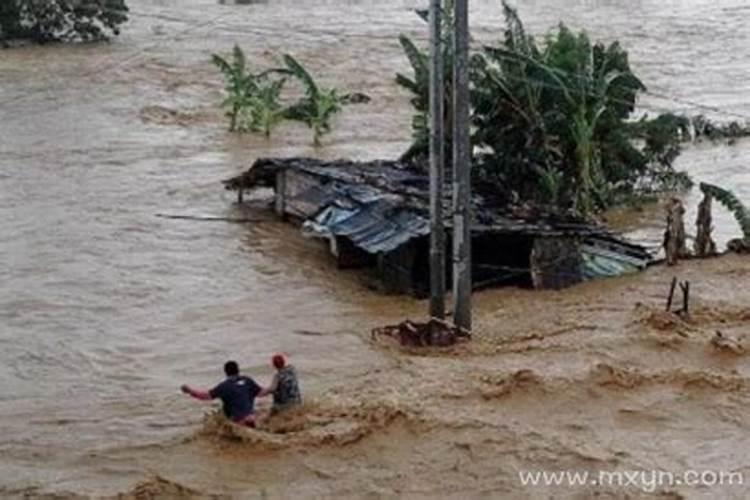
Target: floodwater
{"x": 106, "y": 308}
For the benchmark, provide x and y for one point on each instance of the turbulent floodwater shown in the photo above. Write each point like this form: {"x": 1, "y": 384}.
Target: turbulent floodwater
{"x": 106, "y": 308}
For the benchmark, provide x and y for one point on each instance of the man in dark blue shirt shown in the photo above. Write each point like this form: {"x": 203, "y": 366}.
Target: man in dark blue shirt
{"x": 237, "y": 394}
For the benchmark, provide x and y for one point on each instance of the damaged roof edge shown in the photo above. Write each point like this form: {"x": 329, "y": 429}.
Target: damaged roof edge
{"x": 382, "y": 205}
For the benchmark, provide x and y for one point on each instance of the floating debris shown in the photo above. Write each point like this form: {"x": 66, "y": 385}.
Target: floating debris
{"x": 723, "y": 342}
{"x": 434, "y": 333}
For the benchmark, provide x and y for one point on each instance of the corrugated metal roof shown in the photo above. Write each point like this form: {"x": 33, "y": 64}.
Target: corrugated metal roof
{"x": 376, "y": 227}
{"x": 381, "y": 205}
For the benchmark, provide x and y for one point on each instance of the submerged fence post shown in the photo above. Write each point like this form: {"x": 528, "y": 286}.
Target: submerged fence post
{"x": 280, "y": 196}
{"x": 461, "y": 168}
{"x": 437, "y": 164}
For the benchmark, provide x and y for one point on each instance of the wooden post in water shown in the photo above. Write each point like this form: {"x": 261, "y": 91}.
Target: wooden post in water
{"x": 280, "y": 199}
{"x": 461, "y": 169}
{"x": 704, "y": 245}
{"x": 674, "y": 236}
{"x": 437, "y": 164}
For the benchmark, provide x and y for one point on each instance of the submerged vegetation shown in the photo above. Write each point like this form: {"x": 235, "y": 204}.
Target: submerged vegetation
{"x": 255, "y": 102}
{"x": 553, "y": 118}
{"x": 418, "y": 86}
{"x": 61, "y": 20}
{"x": 318, "y": 106}
{"x": 552, "y": 121}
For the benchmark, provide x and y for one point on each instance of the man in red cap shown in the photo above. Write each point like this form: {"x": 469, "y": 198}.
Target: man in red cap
{"x": 284, "y": 387}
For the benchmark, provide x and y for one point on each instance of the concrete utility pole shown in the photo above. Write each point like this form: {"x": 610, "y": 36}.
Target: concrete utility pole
{"x": 437, "y": 164}
{"x": 461, "y": 169}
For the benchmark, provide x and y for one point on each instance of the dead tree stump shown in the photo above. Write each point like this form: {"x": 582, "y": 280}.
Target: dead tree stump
{"x": 704, "y": 245}
{"x": 674, "y": 236}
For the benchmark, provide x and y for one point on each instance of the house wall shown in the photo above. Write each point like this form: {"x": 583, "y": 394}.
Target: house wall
{"x": 349, "y": 256}
{"x": 501, "y": 259}
{"x": 396, "y": 269}
{"x": 498, "y": 258}
{"x": 556, "y": 262}
{"x": 296, "y": 194}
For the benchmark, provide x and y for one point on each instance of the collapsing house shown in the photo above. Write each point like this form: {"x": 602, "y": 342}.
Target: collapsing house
{"x": 376, "y": 215}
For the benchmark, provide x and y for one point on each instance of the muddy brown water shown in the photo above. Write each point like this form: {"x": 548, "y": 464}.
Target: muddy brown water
{"x": 105, "y": 309}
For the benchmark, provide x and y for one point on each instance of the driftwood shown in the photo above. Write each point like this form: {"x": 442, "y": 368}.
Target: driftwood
{"x": 675, "y": 247}
{"x": 704, "y": 245}
{"x": 435, "y": 333}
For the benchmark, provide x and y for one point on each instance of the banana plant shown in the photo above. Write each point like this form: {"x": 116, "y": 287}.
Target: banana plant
{"x": 732, "y": 203}
{"x": 318, "y": 106}
{"x": 552, "y": 120}
{"x": 418, "y": 86}
{"x": 265, "y": 107}
{"x": 253, "y": 100}
{"x": 551, "y": 182}
{"x": 240, "y": 85}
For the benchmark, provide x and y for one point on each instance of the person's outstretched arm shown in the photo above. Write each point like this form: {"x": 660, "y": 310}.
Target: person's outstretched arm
{"x": 196, "y": 393}
{"x": 271, "y": 388}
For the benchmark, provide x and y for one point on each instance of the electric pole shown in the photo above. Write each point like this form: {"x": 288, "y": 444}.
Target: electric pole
{"x": 437, "y": 163}
{"x": 462, "y": 283}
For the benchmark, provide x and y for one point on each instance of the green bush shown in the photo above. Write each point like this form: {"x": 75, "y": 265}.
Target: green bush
{"x": 552, "y": 121}
{"x": 61, "y": 20}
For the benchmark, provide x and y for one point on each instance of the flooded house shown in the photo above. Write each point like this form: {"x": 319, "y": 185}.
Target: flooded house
{"x": 375, "y": 215}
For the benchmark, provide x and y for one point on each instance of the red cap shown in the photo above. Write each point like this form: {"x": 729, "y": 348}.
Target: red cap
{"x": 278, "y": 360}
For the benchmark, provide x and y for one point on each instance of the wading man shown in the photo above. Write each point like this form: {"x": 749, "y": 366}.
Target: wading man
{"x": 237, "y": 394}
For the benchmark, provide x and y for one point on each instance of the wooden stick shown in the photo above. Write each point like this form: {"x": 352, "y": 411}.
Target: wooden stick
{"x": 671, "y": 293}
{"x": 685, "y": 297}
